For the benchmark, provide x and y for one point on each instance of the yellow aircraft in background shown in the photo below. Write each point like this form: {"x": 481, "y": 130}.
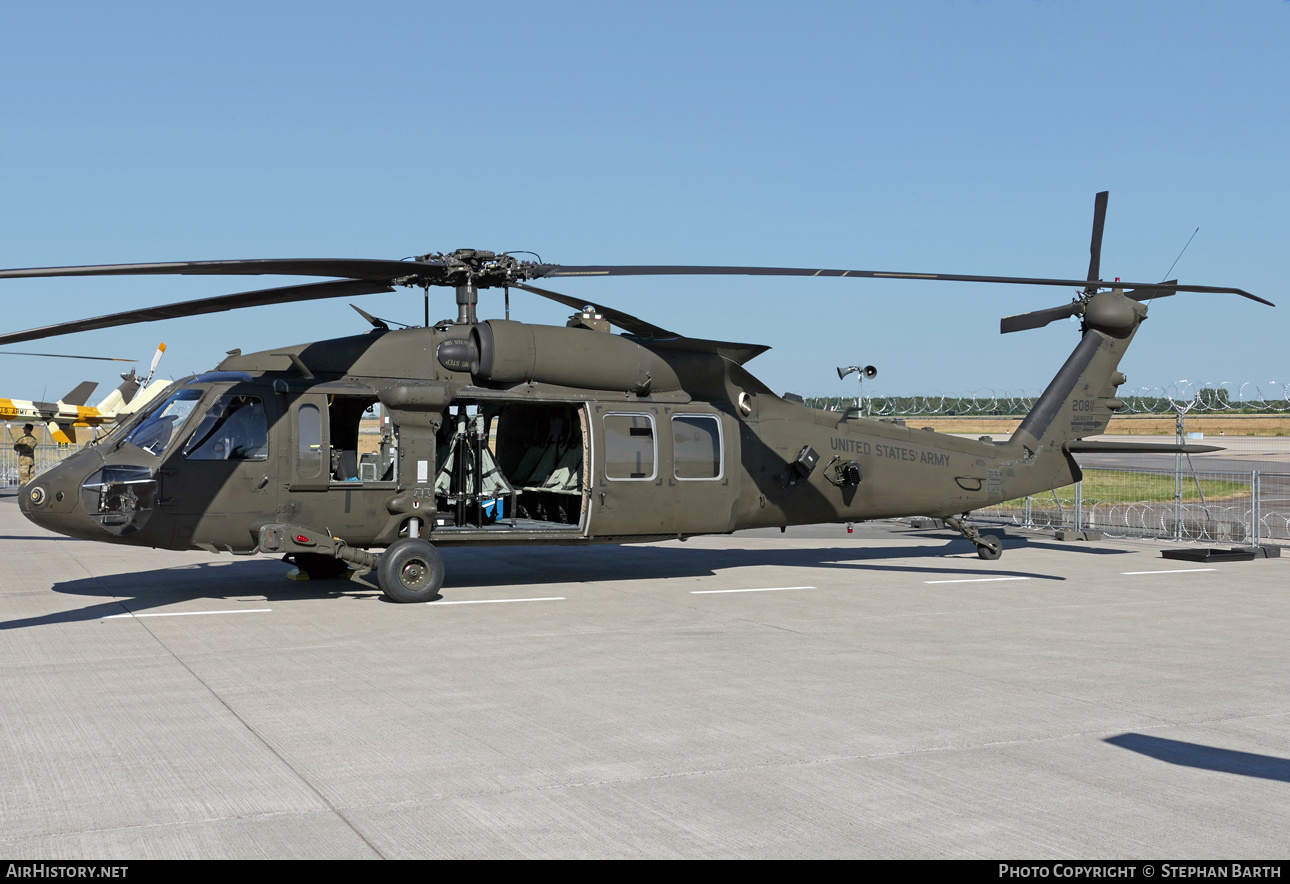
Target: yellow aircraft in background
{"x": 71, "y": 411}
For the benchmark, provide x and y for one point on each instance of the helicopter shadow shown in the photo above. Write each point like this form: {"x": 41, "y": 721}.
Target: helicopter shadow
{"x": 1247, "y": 764}
{"x": 530, "y": 566}
{"x": 28, "y": 537}
{"x": 140, "y": 591}
{"x": 1014, "y": 540}
{"x": 469, "y": 568}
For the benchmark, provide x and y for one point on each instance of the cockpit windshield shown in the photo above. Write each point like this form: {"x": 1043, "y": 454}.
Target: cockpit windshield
{"x": 154, "y": 432}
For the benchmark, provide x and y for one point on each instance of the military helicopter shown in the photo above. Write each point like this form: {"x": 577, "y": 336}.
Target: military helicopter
{"x": 504, "y": 432}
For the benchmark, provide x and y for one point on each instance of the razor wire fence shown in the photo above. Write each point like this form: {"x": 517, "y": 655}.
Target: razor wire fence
{"x": 1224, "y": 397}
{"x": 1246, "y": 508}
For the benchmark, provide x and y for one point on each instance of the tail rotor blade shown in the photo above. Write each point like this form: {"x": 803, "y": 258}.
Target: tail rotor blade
{"x": 1038, "y": 318}
{"x": 1095, "y": 246}
{"x": 156, "y": 357}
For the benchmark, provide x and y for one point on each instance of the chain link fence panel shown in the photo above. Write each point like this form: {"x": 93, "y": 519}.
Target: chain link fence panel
{"x": 1208, "y": 506}
{"x": 45, "y": 456}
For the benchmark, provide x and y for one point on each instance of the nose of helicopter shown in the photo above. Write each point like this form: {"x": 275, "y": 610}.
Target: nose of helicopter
{"x": 53, "y": 499}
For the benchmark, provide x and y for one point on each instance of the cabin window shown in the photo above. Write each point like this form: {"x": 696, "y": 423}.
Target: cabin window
{"x": 696, "y": 446}
{"x": 234, "y": 428}
{"x": 630, "y": 447}
{"x": 309, "y": 454}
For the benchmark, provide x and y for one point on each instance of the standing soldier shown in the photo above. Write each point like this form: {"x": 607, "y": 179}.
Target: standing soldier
{"x": 26, "y": 448}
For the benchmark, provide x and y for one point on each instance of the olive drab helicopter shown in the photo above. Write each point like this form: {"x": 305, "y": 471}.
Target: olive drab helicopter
{"x": 504, "y": 432}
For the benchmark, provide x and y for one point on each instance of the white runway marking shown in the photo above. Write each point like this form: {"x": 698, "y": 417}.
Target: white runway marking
{"x": 189, "y": 613}
{"x": 978, "y": 580}
{"x": 554, "y": 598}
{"x": 1178, "y": 571}
{"x": 764, "y": 589}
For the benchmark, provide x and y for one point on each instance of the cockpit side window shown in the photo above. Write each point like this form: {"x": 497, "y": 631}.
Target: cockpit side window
{"x": 154, "y": 432}
{"x": 234, "y": 428}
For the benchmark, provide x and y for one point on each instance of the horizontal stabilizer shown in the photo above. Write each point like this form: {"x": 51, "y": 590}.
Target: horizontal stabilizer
{"x": 1138, "y": 448}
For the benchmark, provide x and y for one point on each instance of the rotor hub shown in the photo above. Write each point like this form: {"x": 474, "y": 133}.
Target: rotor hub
{"x": 477, "y": 268}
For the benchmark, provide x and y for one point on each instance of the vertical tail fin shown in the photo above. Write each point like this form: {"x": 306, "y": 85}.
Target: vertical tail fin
{"x": 114, "y": 401}
{"x": 1081, "y": 399}
{"x": 81, "y": 394}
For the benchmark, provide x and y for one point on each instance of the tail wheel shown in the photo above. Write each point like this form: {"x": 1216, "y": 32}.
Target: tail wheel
{"x": 990, "y": 547}
{"x": 410, "y": 570}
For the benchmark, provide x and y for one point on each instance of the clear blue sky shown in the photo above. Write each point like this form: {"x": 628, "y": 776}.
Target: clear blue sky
{"x": 942, "y": 137}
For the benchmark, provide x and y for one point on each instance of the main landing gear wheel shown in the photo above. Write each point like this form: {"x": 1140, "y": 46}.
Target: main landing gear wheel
{"x": 990, "y": 547}
{"x": 410, "y": 570}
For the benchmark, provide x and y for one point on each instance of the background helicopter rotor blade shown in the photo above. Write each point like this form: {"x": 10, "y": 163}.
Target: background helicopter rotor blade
{"x": 308, "y": 292}
{"x": 67, "y": 356}
{"x": 1095, "y": 245}
{"x": 625, "y": 321}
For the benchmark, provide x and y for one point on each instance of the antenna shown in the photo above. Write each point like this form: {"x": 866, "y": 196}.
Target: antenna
{"x": 1180, "y": 254}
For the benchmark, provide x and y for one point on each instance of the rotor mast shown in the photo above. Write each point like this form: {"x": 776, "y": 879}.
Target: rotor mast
{"x": 467, "y": 301}
{"x": 467, "y": 270}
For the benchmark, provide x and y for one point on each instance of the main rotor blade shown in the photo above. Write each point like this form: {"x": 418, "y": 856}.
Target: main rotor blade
{"x": 1038, "y": 318}
{"x": 343, "y": 268}
{"x": 1163, "y": 290}
{"x": 625, "y": 321}
{"x": 67, "y": 356}
{"x": 308, "y": 292}
{"x": 549, "y": 270}
{"x": 1095, "y": 246}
